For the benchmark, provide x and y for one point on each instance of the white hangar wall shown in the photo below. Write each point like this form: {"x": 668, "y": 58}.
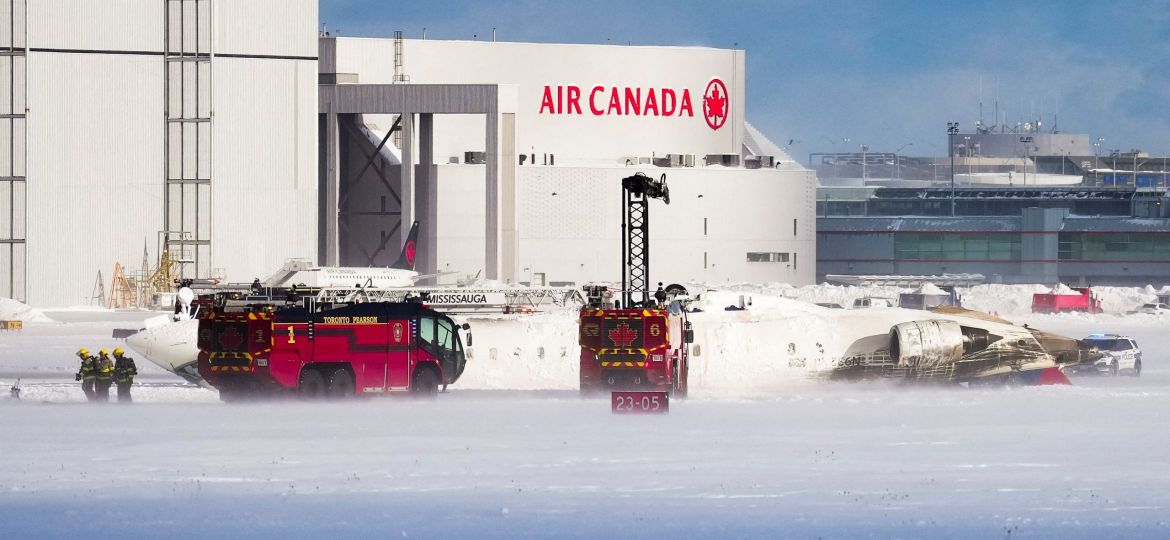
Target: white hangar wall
{"x": 569, "y": 224}
{"x": 242, "y": 138}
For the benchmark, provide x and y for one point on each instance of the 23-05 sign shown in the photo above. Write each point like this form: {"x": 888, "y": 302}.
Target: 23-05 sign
{"x": 639, "y": 402}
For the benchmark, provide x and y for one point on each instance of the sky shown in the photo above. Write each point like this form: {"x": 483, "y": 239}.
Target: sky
{"x": 831, "y": 75}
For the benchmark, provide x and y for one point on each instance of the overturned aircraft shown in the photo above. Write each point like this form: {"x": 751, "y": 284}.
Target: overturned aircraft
{"x": 953, "y": 345}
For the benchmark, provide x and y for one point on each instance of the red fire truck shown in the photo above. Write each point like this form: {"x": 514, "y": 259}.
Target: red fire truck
{"x": 638, "y": 348}
{"x": 642, "y": 342}
{"x": 336, "y": 350}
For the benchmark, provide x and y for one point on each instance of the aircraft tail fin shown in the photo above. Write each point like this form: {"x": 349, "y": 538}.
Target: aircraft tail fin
{"x": 406, "y": 259}
{"x": 1043, "y": 377}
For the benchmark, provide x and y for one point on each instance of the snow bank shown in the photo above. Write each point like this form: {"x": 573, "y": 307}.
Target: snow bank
{"x": 931, "y": 289}
{"x": 991, "y": 297}
{"x": 1001, "y": 299}
{"x": 11, "y": 310}
{"x": 843, "y": 295}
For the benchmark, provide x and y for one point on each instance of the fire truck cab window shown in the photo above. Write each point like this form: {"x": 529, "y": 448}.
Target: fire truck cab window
{"x": 438, "y": 332}
{"x": 426, "y": 329}
{"x": 446, "y": 335}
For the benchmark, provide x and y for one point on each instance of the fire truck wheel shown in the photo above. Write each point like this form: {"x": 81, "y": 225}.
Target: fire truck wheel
{"x": 340, "y": 384}
{"x": 426, "y": 382}
{"x": 312, "y": 385}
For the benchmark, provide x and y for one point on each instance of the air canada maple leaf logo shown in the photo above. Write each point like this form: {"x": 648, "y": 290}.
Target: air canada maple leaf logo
{"x": 230, "y": 338}
{"x": 409, "y": 249}
{"x": 715, "y": 104}
{"x": 622, "y": 335}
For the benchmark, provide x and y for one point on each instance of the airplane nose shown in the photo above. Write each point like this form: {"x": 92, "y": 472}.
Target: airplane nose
{"x": 141, "y": 342}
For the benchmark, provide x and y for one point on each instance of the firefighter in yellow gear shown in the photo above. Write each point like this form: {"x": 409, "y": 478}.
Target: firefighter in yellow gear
{"x": 105, "y": 376}
{"x": 124, "y": 372}
{"x": 87, "y": 374}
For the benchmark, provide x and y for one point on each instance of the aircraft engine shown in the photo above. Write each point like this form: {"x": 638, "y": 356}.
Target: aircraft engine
{"x": 924, "y": 344}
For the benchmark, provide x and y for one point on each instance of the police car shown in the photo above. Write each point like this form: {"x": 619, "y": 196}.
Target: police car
{"x": 1122, "y": 355}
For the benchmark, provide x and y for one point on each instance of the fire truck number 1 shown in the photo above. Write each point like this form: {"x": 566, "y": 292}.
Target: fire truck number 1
{"x": 640, "y": 402}
{"x": 291, "y": 336}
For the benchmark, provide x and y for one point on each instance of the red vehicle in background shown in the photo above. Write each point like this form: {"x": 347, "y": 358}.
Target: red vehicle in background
{"x": 256, "y": 348}
{"x": 1080, "y": 299}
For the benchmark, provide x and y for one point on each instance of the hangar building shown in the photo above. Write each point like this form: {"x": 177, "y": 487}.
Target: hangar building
{"x": 236, "y": 139}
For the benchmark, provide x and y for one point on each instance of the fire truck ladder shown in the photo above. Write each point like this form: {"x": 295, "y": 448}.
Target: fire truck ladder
{"x": 637, "y": 191}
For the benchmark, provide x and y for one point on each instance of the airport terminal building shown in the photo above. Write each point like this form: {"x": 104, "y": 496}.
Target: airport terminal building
{"x": 234, "y": 139}
{"x": 1075, "y": 235}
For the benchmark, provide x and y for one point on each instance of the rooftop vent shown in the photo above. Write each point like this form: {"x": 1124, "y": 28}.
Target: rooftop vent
{"x": 727, "y": 160}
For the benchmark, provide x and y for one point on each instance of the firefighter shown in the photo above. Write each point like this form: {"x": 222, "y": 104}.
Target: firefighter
{"x": 105, "y": 376}
{"x": 87, "y": 374}
{"x": 124, "y": 372}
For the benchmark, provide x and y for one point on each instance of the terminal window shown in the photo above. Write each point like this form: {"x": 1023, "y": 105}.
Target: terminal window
{"x": 773, "y": 257}
{"x": 956, "y": 247}
{"x": 1113, "y": 246}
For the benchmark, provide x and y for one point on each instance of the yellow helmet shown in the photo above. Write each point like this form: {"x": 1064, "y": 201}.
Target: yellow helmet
{"x": 119, "y": 352}
{"x": 83, "y": 352}
{"x": 104, "y": 352}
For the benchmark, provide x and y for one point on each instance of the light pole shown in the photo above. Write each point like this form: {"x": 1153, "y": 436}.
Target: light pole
{"x": 967, "y": 155}
{"x": 1135, "y": 152}
{"x": 834, "y": 143}
{"x": 1115, "y": 158}
{"x": 864, "y": 149}
{"x": 1027, "y": 150}
{"x": 952, "y": 130}
{"x": 846, "y": 140}
{"x": 1096, "y": 159}
{"x": 898, "y": 162}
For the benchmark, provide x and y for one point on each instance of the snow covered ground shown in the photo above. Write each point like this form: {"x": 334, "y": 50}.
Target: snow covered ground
{"x": 512, "y": 452}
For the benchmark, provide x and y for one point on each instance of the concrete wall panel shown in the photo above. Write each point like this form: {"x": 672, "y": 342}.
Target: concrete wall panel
{"x": 124, "y": 25}
{"x": 266, "y": 27}
{"x": 264, "y": 155}
{"x": 94, "y": 167}
{"x": 569, "y": 224}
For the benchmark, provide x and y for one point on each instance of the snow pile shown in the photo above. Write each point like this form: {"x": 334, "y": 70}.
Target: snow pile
{"x": 1017, "y": 299}
{"x": 843, "y": 295}
{"x": 12, "y": 310}
{"x": 1121, "y": 300}
{"x": 931, "y": 289}
{"x": 991, "y": 297}
{"x": 1000, "y": 298}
